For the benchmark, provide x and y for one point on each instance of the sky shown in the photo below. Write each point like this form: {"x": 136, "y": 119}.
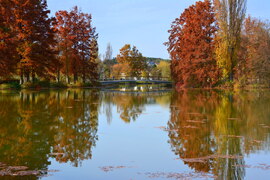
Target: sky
{"x": 143, "y": 23}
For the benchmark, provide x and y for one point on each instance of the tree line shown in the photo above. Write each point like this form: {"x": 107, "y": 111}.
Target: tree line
{"x": 130, "y": 63}
{"x": 213, "y": 44}
{"x": 34, "y": 45}
{"x": 62, "y": 48}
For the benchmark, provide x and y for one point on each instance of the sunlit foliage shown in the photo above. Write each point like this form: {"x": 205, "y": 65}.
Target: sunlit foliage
{"x": 191, "y": 46}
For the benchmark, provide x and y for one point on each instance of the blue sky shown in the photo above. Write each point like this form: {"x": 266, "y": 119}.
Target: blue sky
{"x": 143, "y": 23}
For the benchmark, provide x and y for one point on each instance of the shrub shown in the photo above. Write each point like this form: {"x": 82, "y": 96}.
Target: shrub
{"x": 11, "y": 85}
{"x": 58, "y": 85}
{"x": 36, "y": 85}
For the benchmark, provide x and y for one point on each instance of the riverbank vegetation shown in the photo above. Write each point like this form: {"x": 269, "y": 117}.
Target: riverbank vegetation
{"x": 213, "y": 44}
{"x": 37, "y": 50}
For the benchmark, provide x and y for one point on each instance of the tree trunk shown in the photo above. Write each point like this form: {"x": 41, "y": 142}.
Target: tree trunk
{"x": 33, "y": 77}
{"x": 21, "y": 77}
{"x": 58, "y": 76}
{"x": 67, "y": 79}
{"x": 75, "y": 78}
{"x": 84, "y": 79}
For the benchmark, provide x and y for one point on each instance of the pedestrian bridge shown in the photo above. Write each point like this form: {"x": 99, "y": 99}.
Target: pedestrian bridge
{"x": 135, "y": 81}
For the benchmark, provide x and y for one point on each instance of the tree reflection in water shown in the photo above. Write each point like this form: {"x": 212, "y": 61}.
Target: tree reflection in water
{"x": 131, "y": 105}
{"x": 37, "y": 125}
{"x": 77, "y": 126}
{"x": 212, "y": 131}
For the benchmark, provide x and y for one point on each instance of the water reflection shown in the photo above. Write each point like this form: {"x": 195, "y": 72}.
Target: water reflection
{"x": 63, "y": 125}
{"x": 130, "y": 105}
{"x": 37, "y": 125}
{"x": 212, "y": 131}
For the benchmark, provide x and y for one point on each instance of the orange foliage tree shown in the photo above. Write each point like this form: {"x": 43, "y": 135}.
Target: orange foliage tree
{"x": 191, "y": 46}
{"x": 77, "y": 43}
{"x": 35, "y": 38}
{"x": 254, "y": 55}
{"x": 28, "y": 38}
{"x": 7, "y": 59}
{"x": 133, "y": 58}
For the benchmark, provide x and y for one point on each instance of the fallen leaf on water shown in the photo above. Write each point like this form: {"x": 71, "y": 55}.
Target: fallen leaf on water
{"x": 2, "y": 165}
{"x": 17, "y": 168}
{"x": 234, "y": 118}
{"x": 171, "y": 175}
{"x": 21, "y": 171}
{"x": 161, "y": 127}
{"x": 196, "y": 121}
{"x": 244, "y": 166}
{"x": 234, "y": 136}
{"x": 190, "y": 127}
{"x": 51, "y": 170}
{"x": 166, "y": 129}
{"x": 27, "y": 173}
{"x": 214, "y": 156}
{"x": 257, "y": 141}
{"x": 56, "y": 154}
{"x": 260, "y": 166}
{"x": 199, "y": 160}
{"x": 228, "y": 156}
{"x": 112, "y": 168}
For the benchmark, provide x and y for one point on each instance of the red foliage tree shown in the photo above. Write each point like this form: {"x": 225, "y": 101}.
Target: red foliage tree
{"x": 77, "y": 43}
{"x": 191, "y": 46}
{"x": 28, "y": 38}
{"x": 7, "y": 41}
{"x": 254, "y": 55}
{"x": 35, "y": 38}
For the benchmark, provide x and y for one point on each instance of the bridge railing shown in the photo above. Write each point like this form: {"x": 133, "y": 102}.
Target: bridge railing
{"x": 150, "y": 78}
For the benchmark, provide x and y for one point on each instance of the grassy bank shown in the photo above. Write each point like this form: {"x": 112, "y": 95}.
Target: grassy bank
{"x": 45, "y": 85}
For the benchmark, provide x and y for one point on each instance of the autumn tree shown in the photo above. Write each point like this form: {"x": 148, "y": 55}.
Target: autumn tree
{"x": 164, "y": 68}
{"x": 254, "y": 56}
{"x": 230, "y": 15}
{"x": 35, "y": 38}
{"x": 77, "y": 43}
{"x": 133, "y": 58}
{"x": 7, "y": 36}
{"x": 28, "y": 38}
{"x": 191, "y": 46}
{"x": 120, "y": 69}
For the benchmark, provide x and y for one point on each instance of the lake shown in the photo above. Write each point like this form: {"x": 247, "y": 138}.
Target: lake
{"x": 134, "y": 133}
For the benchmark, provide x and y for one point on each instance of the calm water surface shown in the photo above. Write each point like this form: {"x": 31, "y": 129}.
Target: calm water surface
{"x": 154, "y": 134}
